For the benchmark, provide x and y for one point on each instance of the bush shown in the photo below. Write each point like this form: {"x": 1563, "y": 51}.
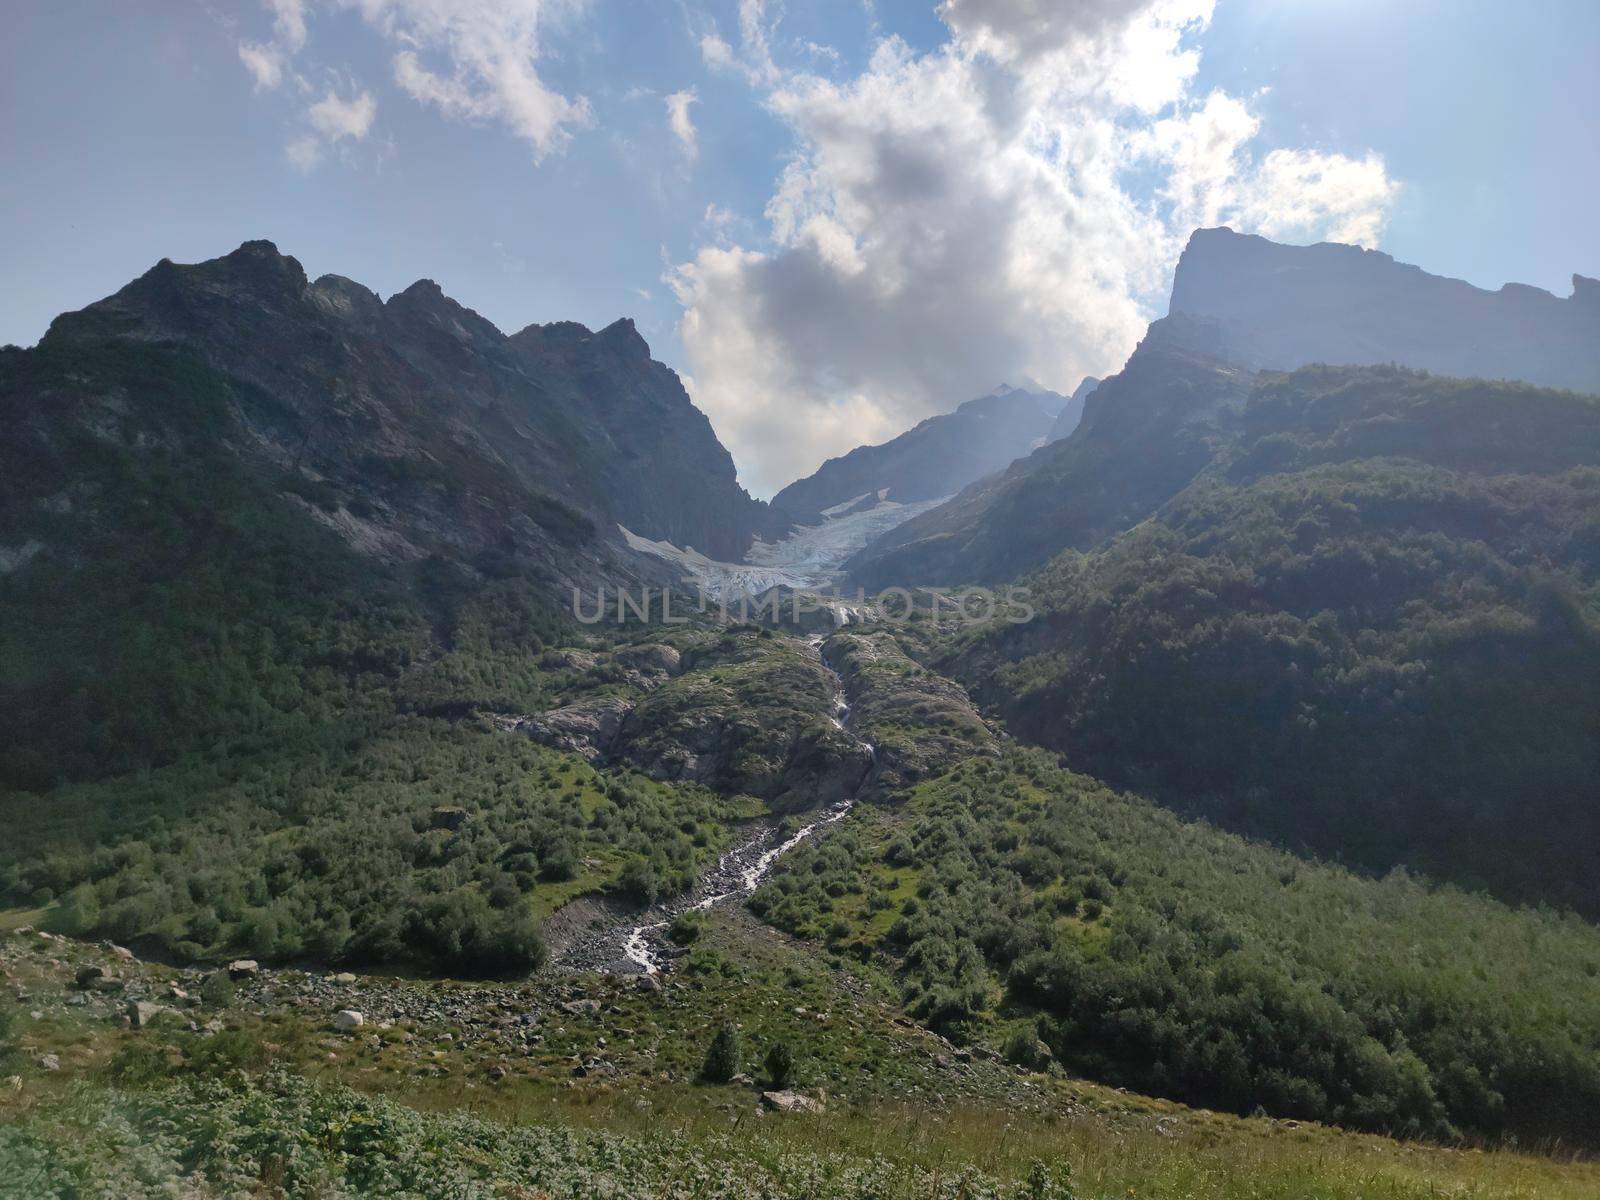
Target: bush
{"x": 639, "y": 881}
{"x": 724, "y": 1057}
{"x": 1024, "y": 1049}
{"x": 217, "y": 990}
{"x": 686, "y": 927}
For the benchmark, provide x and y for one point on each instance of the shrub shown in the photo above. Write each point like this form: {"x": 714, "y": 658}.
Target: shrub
{"x": 780, "y": 1065}
{"x": 638, "y": 881}
{"x": 686, "y": 928}
{"x": 217, "y": 990}
{"x": 1024, "y": 1049}
{"x": 724, "y": 1057}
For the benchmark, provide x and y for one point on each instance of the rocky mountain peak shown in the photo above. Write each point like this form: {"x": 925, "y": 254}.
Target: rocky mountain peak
{"x": 623, "y": 338}
{"x": 347, "y": 298}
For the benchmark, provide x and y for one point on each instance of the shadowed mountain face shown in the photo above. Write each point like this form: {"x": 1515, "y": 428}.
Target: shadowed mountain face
{"x": 430, "y": 423}
{"x": 940, "y": 456}
{"x": 1285, "y": 306}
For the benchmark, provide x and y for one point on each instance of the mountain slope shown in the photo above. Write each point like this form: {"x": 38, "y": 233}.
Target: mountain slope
{"x": 939, "y": 456}
{"x": 1369, "y": 627}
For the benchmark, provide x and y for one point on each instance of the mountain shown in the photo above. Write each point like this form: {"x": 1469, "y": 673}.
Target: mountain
{"x": 231, "y": 497}
{"x": 1242, "y": 304}
{"x": 1285, "y": 306}
{"x": 939, "y": 456}
{"x": 1072, "y": 411}
{"x": 1354, "y": 609}
{"x": 378, "y": 401}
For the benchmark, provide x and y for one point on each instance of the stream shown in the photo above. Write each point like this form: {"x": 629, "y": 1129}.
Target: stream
{"x": 742, "y": 869}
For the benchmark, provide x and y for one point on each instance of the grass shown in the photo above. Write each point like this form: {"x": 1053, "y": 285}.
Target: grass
{"x": 897, "y": 1125}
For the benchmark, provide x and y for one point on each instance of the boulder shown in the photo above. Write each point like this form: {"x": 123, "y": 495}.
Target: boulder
{"x": 790, "y": 1102}
{"x": 243, "y": 968}
{"x": 142, "y": 1012}
{"x": 347, "y": 1019}
{"x": 344, "y": 978}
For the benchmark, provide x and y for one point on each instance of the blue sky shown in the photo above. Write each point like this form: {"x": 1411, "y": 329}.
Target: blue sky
{"x": 862, "y": 212}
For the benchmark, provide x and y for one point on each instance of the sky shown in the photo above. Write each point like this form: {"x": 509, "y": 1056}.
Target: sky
{"x": 833, "y": 217}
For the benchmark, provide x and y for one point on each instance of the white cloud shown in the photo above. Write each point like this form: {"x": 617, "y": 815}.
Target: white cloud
{"x": 959, "y": 217}
{"x": 265, "y": 62}
{"x": 289, "y": 22}
{"x": 304, "y": 153}
{"x": 1289, "y": 193}
{"x": 1303, "y": 194}
{"x": 716, "y": 52}
{"x": 472, "y": 59}
{"x": 268, "y": 61}
{"x": 753, "y": 59}
{"x": 477, "y": 60}
{"x": 332, "y": 119}
{"x": 679, "y": 121}
{"x": 335, "y": 118}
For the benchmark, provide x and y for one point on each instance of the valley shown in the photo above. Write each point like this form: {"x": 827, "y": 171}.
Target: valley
{"x": 343, "y": 858}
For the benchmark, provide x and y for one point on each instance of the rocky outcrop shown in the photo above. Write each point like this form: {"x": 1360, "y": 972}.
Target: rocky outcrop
{"x": 917, "y": 722}
{"x": 791, "y": 1102}
{"x": 753, "y": 715}
{"x": 940, "y": 456}
{"x": 587, "y": 727}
